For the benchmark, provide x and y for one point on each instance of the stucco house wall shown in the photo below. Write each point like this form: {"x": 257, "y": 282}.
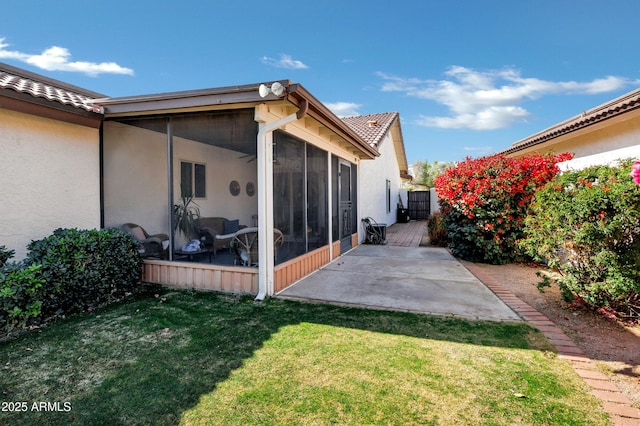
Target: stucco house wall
{"x": 374, "y": 175}
{"x": 602, "y": 135}
{"x": 135, "y": 177}
{"x": 50, "y": 176}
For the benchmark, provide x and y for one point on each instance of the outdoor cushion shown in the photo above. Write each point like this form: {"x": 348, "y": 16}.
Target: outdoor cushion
{"x": 214, "y": 234}
{"x": 231, "y": 226}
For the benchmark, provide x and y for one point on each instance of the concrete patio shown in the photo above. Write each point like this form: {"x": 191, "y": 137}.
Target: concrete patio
{"x": 415, "y": 279}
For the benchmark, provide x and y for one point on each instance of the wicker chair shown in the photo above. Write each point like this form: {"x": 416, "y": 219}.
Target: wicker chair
{"x": 245, "y": 246}
{"x": 213, "y": 235}
{"x": 156, "y": 245}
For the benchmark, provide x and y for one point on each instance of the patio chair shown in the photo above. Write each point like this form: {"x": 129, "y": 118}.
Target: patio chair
{"x": 245, "y": 246}
{"x": 217, "y": 232}
{"x": 148, "y": 245}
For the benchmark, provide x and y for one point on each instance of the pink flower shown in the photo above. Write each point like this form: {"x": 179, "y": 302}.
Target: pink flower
{"x": 635, "y": 172}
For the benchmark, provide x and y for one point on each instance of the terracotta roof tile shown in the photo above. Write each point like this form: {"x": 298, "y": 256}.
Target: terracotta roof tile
{"x": 47, "y": 91}
{"x": 373, "y": 127}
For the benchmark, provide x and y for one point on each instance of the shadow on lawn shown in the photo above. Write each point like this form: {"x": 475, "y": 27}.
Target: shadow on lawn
{"x": 152, "y": 358}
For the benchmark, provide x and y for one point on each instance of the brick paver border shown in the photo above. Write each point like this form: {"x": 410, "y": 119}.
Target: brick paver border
{"x": 614, "y": 402}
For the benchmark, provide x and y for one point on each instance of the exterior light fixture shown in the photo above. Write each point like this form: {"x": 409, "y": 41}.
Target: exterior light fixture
{"x": 276, "y": 88}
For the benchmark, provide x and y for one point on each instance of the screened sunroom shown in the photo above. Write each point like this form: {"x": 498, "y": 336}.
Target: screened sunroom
{"x": 271, "y": 184}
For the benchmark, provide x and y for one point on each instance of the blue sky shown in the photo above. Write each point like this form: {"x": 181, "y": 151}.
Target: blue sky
{"x": 468, "y": 77}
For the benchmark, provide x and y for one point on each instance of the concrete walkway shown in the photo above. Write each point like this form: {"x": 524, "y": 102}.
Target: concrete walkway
{"x": 416, "y": 279}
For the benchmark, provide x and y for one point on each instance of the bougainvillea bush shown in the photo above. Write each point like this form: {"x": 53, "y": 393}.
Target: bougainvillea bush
{"x": 587, "y": 225}
{"x": 485, "y": 201}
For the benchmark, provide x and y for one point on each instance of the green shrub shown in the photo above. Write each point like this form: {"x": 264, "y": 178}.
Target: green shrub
{"x": 85, "y": 268}
{"x": 587, "y": 225}
{"x": 5, "y": 254}
{"x": 20, "y": 295}
{"x": 485, "y": 200}
{"x": 437, "y": 230}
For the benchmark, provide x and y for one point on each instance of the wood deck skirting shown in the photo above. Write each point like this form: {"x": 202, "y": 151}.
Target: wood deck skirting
{"x": 293, "y": 270}
{"x": 336, "y": 250}
{"x": 234, "y": 279}
{"x": 354, "y": 240}
{"x": 201, "y": 276}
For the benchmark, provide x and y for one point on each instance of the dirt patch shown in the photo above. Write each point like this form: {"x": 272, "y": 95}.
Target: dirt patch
{"x": 614, "y": 348}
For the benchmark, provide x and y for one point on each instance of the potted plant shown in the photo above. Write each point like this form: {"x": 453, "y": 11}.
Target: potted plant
{"x": 186, "y": 215}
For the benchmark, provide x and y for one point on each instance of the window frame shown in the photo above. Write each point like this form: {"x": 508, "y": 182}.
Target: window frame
{"x": 388, "y": 196}
{"x": 197, "y": 186}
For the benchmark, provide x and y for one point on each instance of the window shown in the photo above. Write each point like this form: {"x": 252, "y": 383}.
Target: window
{"x": 388, "y": 196}
{"x": 192, "y": 180}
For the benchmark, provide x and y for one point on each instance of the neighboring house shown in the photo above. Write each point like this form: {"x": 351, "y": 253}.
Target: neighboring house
{"x": 49, "y": 158}
{"x": 275, "y": 159}
{"x": 601, "y": 135}
{"x": 381, "y": 180}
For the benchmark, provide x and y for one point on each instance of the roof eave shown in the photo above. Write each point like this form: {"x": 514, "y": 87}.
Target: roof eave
{"x": 239, "y": 96}
{"x": 246, "y": 94}
{"x": 297, "y": 93}
{"x": 401, "y": 153}
{"x": 27, "y": 104}
{"x": 614, "y": 108}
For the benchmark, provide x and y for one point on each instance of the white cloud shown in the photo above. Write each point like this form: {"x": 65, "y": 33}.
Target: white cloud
{"x": 344, "y": 109}
{"x": 59, "y": 59}
{"x": 487, "y": 100}
{"x": 285, "y": 61}
{"x": 489, "y": 118}
{"x": 479, "y": 148}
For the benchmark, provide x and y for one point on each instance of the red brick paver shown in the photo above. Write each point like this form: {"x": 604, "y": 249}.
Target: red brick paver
{"x": 614, "y": 402}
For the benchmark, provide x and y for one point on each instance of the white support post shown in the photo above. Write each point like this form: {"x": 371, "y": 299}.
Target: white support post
{"x": 265, "y": 203}
{"x": 330, "y": 204}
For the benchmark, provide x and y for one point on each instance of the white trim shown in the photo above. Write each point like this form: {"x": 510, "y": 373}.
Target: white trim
{"x": 265, "y": 202}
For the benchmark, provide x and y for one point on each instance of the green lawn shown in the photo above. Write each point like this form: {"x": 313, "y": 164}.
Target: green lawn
{"x": 208, "y": 358}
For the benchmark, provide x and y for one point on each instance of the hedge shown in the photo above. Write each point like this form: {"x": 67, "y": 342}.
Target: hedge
{"x": 67, "y": 272}
{"x": 587, "y": 225}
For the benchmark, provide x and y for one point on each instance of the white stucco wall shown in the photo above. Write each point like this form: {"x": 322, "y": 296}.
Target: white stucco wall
{"x": 50, "y": 178}
{"x": 135, "y": 178}
{"x": 603, "y": 158}
{"x": 603, "y": 143}
{"x": 372, "y": 185}
{"x": 434, "y": 202}
{"x": 222, "y": 167}
{"x": 606, "y": 136}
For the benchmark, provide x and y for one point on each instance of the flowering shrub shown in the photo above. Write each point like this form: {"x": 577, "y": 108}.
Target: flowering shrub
{"x": 587, "y": 225}
{"x": 485, "y": 201}
{"x": 635, "y": 172}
